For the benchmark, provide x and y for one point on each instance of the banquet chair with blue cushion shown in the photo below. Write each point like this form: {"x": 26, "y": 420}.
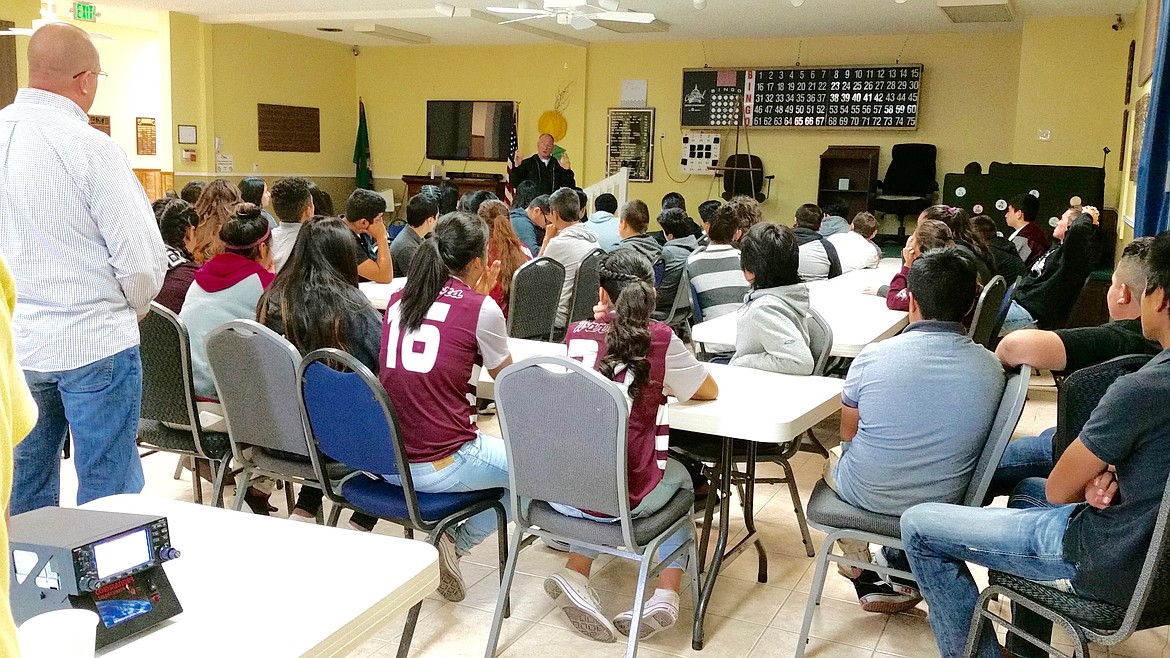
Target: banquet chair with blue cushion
{"x": 351, "y": 421}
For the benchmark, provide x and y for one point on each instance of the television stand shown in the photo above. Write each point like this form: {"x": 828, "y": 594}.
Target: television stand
{"x": 468, "y": 181}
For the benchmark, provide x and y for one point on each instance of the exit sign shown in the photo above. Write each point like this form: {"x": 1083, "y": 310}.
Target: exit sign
{"x": 84, "y": 11}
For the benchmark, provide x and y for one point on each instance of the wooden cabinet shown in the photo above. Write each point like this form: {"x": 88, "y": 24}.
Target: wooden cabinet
{"x": 491, "y": 182}
{"x": 848, "y": 174}
{"x": 155, "y": 182}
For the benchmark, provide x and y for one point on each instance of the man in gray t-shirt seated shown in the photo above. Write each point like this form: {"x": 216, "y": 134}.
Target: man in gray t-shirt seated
{"x": 916, "y": 412}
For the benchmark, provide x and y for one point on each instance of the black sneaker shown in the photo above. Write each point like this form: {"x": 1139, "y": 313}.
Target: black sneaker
{"x": 899, "y": 585}
{"x": 877, "y": 596}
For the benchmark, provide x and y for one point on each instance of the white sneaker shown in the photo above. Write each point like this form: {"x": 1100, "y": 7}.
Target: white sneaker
{"x": 451, "y": 586}
{"x": 659, "y": 614}
{"x": 579, "y": 602}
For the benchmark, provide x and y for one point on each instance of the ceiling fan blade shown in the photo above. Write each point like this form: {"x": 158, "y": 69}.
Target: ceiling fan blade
{"x": 581, "y": 23}
{"x": 526, "y": 18}
{"x": 515, "y": 10}
{"x": 623, "y": 16}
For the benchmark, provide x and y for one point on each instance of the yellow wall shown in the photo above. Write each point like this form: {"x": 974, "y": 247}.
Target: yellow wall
{"x": 21, "y": 12}
{"x": 958, "y": 70}
{"x": 221, "y": 73}
{"x": 1128, "y": 187}
{"x": 395, "y": 84}
{"x": 1072, "y": 83}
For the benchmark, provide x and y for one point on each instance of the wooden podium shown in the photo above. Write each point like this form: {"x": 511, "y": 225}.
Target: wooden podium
{"x": 491, "y": 182}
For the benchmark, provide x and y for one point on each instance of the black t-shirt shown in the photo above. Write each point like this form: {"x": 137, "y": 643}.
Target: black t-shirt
{"x": 1088, "y": 346}
{"x": 364, "y": 249}
{"x": 1129, "y": 429}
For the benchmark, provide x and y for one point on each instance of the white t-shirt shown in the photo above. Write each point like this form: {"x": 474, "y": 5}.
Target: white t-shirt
{"x": 854, "y": 251}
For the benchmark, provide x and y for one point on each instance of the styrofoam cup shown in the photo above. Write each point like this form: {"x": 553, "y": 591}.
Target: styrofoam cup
{"x": 66, "y": 633}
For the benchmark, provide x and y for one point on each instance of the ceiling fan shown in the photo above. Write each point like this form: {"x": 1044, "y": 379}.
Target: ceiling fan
{"x": 580, "y": 14}
{"x": 47, "y": 16}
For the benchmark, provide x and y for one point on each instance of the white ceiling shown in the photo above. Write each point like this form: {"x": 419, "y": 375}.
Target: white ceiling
{"x": 722, "y": 19}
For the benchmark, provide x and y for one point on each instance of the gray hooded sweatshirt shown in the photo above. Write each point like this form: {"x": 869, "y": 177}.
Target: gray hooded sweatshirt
{"x": 643, "y": 244}
{"x": 569, "y": 248}
{"x": 772, "y": 334}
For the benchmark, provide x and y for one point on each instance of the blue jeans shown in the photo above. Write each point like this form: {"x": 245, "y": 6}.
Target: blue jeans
{"x": 940, "y": 539}
{"x": 481, "y": 463}
{"x": 1027, "y": 457}
{"x": 99, "y": 405}
{"x": 674, "y": 478}
{"x": 1017, "y": 317}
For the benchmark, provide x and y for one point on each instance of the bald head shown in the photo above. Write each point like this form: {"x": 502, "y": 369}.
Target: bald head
{"x": 57, "y": 54}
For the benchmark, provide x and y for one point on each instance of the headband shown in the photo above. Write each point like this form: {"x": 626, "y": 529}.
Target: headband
{"x": 246, "y": 247}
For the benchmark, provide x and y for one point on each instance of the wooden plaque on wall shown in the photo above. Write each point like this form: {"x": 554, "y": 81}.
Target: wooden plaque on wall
{"x": 147, "y": 136}
{"x": 288, "y": 128}
{"x": 100, "y": 122}
{"x": 7, "y": 65}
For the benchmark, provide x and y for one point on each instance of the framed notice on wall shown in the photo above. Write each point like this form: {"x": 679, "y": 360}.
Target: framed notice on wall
{"x": 630, "y": 143}
{"x": 147, "y": 137}
{"x": 101, "y": 122}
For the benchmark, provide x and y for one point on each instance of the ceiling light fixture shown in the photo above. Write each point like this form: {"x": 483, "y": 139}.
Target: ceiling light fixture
{"x": 796, "y": 3}
{"x": 700, "y": 4}
{"x": 901, "y": 2}
{"x": 445, "y": 9}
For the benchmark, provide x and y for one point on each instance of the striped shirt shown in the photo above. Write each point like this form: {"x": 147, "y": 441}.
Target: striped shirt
{"x": 77, "y": 232}
{"x": 718, "y": 279}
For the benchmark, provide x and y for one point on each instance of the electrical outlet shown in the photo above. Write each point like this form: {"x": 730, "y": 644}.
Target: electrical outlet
{"x": 1044, "y": 135}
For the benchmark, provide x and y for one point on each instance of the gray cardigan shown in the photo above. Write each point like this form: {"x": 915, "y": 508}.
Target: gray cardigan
{"x": 772, "y": 334}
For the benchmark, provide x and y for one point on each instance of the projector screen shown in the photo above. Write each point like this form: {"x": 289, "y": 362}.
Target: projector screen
{"x": 469, "y": 130}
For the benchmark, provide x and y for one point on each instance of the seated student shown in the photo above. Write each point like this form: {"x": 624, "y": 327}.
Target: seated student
{"x": 715, "y": 272}
{"x": 449, "y": 197}
{"x": 932, "y": 441}
{"x": 1104, "y": 495}
{"x": 707, "y": 211}
{"x": 966, "y": 239}
{"x": 176, "y": 222}
{"x": 567, "y": 242}
{"x": 649, "y": 362}
{"x": 834, "y": 221}
{"x": 505, "y": 247}
{"x": 604, "y": 222}
{"x": 772, "y": 333}
{"x": 855, "y": 247}
{"x": 680, "y": 244}
{"x": 191, "y": 191}
{"x": 315, "y": 302}
{"x": 471, "y": 201}
{"x": 929, "y": 234}
{"x": 293, "y": 204}
{"x": 322, "y": 201}
{"x": 1069, "y": 350}
{"x": 363, "y": 212}
{"x": 430, "y": 376}
{"x": 1028, "y": 237}
{"x": 1005, "y": 261}
{"x": 632, "y": 224}
{"x": 1045, "y": 296}
{"x": 818, "y": 256}
{"x": 583, "y": 202}
{"x": 528, "y": 219}
{"x": 674, "y": 200}
{"x": 215, "y": 207}
{"x": 421, "y": 214}
{"x": 254, "y": 190}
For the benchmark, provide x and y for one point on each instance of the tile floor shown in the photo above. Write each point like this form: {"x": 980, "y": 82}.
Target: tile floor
{"x": 745, "y": 618}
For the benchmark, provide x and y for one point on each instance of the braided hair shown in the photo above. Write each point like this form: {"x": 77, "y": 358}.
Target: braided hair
{"x": 628, "y": 278}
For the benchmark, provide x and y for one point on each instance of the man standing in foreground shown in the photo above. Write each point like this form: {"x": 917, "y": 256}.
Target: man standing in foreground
{"x": 80, "y": 238}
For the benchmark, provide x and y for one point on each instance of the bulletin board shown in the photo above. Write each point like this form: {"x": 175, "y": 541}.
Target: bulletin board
{"x": 630, "y": 142}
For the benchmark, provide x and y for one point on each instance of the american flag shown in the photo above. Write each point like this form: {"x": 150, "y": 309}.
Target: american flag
{"x": 513, "y": 147}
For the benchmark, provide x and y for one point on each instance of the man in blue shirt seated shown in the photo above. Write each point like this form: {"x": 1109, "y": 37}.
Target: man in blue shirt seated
{"x": 915, "y": 415}
{"x": 1102, "y": 501}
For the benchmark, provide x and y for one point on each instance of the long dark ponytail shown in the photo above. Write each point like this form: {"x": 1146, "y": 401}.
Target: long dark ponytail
{"x": 458, "y": 239}
{"x": 628, "y": 278}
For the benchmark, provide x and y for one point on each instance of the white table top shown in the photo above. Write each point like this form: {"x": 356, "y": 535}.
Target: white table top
{"x": 241, "y": 577}
{"x": 754, "y": 405}
{"x": 379, "y": 293}
{"x": 857, "y": 319}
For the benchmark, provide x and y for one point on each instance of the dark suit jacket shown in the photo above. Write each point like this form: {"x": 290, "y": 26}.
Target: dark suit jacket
{"x": 548, "y": 178}
{"x": 1050, "y": 296}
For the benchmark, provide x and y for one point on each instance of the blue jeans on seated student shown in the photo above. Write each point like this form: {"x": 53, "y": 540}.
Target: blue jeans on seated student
{"x": 675, "y": 478}
{"x": 1026, "y": 457}
{"x": 100, "y": 404}
{"x": 1017, "y": 317}
{"x": 940, "y": 539}
{"x": 479, "y": 464}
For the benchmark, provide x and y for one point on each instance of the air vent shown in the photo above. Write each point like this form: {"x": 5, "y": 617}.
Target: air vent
{"x": 977, "y": 11}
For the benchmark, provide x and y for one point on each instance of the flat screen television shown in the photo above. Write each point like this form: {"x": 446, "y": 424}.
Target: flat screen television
{"x": 469, "y": 130}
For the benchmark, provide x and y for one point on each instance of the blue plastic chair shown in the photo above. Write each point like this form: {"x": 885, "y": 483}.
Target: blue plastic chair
{"x": 351, "y": 421}
{"x": 698, "y": 310}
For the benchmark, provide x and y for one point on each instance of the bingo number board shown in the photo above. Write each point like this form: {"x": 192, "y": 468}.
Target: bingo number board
{"x": 819, "y": 97}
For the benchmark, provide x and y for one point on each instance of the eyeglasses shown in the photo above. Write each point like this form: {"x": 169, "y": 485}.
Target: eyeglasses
{"x": 100, "y": 74}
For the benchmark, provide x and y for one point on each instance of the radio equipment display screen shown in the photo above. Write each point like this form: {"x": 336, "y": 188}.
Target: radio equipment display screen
{"x": 122, "y": 553}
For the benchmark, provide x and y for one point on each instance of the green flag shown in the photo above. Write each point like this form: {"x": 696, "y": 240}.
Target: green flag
{"x": 361, "y": 151}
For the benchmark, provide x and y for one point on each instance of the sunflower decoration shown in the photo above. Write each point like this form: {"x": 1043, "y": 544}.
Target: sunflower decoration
{"x": 553, "y": 121}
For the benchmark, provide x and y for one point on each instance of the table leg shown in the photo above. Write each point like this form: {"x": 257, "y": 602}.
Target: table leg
{"x": 704, "y": 597}
{"x": 749, "y": 519}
